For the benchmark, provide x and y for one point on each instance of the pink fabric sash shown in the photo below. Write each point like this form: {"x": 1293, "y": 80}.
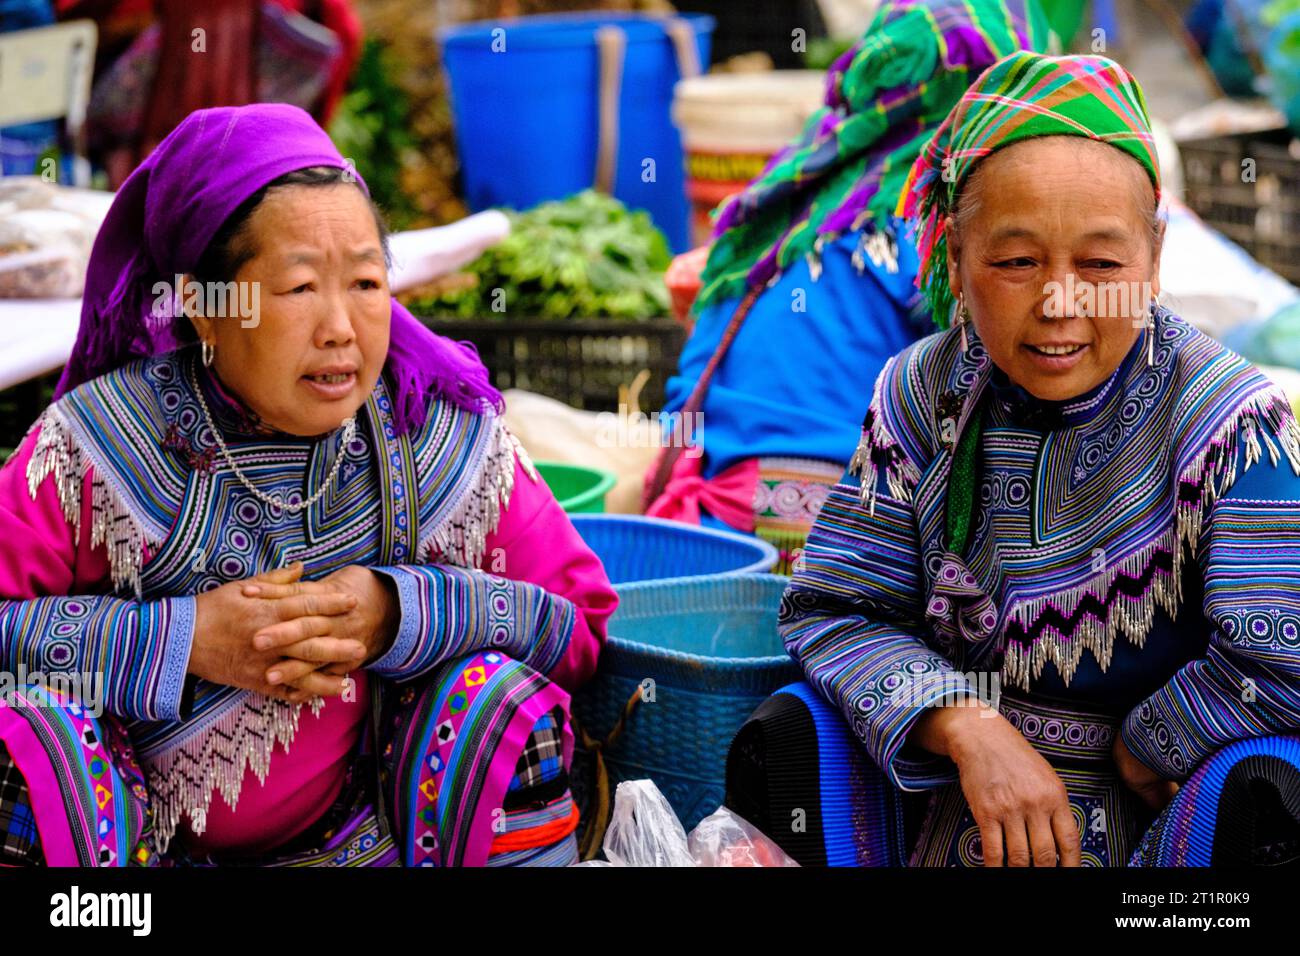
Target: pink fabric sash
{"x": 728, "y": 496}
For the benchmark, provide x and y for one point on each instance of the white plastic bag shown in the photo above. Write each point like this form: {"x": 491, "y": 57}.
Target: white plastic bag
{"x": 725, "y": 839}
{"x": 46, "y": 234}
{"x": 644, "y": 831}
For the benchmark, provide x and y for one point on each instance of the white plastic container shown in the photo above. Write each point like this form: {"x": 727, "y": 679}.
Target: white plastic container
{"x": 732, "y": 124}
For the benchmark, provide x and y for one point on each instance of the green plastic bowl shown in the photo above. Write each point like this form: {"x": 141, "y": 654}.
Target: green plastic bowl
{"x": 579, "y": 489}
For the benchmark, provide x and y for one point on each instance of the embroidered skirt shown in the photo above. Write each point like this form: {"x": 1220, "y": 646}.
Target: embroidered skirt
{"x": 473, "y": 770}
{"x": 789, "y": 494}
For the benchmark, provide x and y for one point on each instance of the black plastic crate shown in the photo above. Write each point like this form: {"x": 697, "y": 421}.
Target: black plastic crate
{"x": 581, "y": 362}
{"x": 1263, "y": 216}
{"x": 767, "y": 26}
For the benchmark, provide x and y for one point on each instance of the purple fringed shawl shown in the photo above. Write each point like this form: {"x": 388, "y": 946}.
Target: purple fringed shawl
{"x": 167, "y": 212}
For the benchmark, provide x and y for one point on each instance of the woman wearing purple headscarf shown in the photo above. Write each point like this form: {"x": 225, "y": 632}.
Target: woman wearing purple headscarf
{"x": 264, "y": 485}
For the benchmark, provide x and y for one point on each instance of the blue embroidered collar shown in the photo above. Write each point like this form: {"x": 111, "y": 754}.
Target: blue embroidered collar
{"x": 1028, "y": 411}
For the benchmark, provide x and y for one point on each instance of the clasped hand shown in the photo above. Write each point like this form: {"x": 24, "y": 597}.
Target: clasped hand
{"x": 292, "y": 639}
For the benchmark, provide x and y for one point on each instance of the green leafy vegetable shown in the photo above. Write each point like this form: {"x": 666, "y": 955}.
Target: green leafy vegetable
{"x": 586, "y": 255}
{"x": 370, "y": 128}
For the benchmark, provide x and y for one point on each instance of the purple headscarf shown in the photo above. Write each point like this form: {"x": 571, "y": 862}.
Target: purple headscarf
{"x": 167, "y": 212}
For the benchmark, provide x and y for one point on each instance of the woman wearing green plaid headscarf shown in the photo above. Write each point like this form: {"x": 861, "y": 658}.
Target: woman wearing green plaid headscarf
{"x": 1070, "y": 534}
{"x": 1023, "y": 96}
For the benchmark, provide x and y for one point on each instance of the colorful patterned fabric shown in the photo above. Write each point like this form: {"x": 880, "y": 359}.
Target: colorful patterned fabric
{"x": 1110, "y": 817}
{"x": 354, "y": 833}
{"x": 846, "y": 169}
{"x": 1241, "y": 807}
{"x": 543, "y": 759}
{"x": 537, "y": 827}
{"x": 86, "y": 788}
{"x": 787, "y": 498}
{"x": 795, "y": 760}
{"x": 1097, "y": 521}
{"x": 20, "y": 844}
{"x": 448, "y": 801}
{"x": 796, "y": 755}
{"x": 135, "y": 645}
{"x": 1024, "y": 95}
{"x": 451, "y": 478}
{"x": 562, "y": 853}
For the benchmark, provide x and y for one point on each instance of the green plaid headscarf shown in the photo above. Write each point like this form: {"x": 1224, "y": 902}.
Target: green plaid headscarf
{"x": 848, "y": 166}
{"x": 1022, "y": 96}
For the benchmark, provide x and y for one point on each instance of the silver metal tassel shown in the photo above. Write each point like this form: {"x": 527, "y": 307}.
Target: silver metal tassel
{"x": 901, "y": 474}
{"x": 57, "y": 453}
{"x": 1265, "y": 420}
{"x": 462, "y": 536}
{"x": 183, "y": 779}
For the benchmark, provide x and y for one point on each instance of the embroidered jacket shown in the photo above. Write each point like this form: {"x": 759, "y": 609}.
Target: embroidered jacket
{"x": 176, "y": 521}
{"x": 1095, "y": 522}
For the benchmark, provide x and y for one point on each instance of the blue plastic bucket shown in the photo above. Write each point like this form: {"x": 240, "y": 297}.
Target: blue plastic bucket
{"x": 637, "y": 548}
{"x": 21, "y": 147}
{"x": 525, "y": 100}
{"x": 699, "y": 654}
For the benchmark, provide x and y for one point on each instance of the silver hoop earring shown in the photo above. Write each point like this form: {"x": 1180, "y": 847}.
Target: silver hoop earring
{"x": 963, "y": 318}
{"x": 209, "y": 353}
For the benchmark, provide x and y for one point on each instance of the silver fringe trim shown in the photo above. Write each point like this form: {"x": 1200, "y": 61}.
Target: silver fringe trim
{"x": 462, "y": 537}
{"x": 112, "y": 523}
{"x": 814, "y": 265}
{"x": 1264, "y": 422}
{"x": 878, "y": 246}
{"x": 901, "y": 475}
{"x": 182, "y": 780}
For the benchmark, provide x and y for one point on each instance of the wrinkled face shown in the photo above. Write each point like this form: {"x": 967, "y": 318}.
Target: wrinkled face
{"x": 320, "y": 338}
{"x": 1056, "y": 261}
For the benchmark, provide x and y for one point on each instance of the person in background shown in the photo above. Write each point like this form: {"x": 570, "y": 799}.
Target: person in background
{"x": 809, "y": 281}
{"x": 150, "y": 74}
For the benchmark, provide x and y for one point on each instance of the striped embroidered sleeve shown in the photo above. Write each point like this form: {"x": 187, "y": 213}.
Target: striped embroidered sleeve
{"x": 128, "y": 657}
{"x": 852, "y": 618}
{"x": 539, "y": 594}
{"x": 116, "y": 655}
{"x": 448, "y": 612}
{"x": 1248, "y": 683}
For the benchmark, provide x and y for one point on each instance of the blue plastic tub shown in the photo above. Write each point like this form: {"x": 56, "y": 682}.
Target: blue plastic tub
{"x": 637, "y": 548}
{"x": 21, "y": 147}
{"x": 527, "y": 120}
{"x": 701, "y": 654}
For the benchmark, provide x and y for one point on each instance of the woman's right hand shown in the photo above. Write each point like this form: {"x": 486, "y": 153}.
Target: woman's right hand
{"x": 226, "y": 620}
{"x": 1016, "y": 798}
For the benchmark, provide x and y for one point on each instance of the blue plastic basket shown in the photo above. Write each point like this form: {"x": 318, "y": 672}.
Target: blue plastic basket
{"x": 637, "y": 548}
{"x": 524, "y": 97}
{"x": 711, "y": 648}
